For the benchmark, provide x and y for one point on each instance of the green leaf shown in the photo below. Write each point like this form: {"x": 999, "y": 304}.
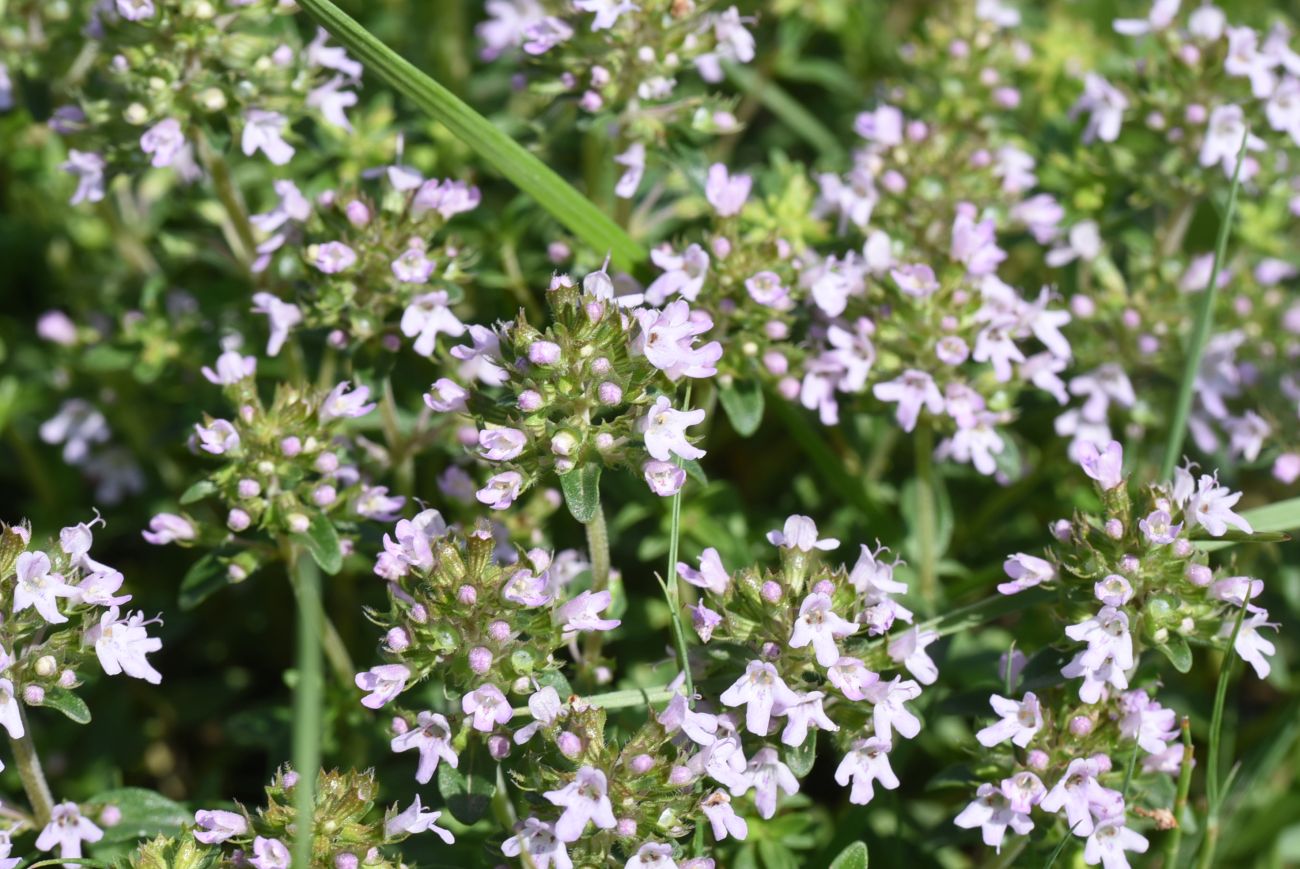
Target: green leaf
{"x": 144, "y": 814}
{"x": 792, "y": 113}
{"x": 581, "y": 488}
{"x": 525, "y": 171}
{"x": 204, "y": 578}
{"x": 695, "y": 471}
{"x": 743, "y": 402}
{"x": 800, "y": 758}
{"x": 1268, "y": 523}
{"x": 1178, "y": 653}
{"x": 852, "y": 857}
{"x": 322, "y": 541}
{"x": 468, "y": 794}
{"x": 68, "y": 703}
{"x": 199, "y": 491}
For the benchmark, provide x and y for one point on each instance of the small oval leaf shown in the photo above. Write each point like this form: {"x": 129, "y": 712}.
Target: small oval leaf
{"x": 581, "y": 488}
{"x": 68, "y": 703}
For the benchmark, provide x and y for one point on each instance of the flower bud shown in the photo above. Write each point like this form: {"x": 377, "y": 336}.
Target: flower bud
{"x": 1080, "y": 725}
{"x": 642, "y": 764}
{"x": 1103, "y": 762}
{"x": 1114, "y": 529}
{"x": 1199, "y": 574}
{"x": 544, "y": 353}
{"x": 569, "y": 744}
{"x": 1129, "y": 564}
{"x": 771, "y": 651}
{"x": 419, "y": 614}
{"x": 680, "y": 776}
{"x": 1182, "y": 547}
{"x": 825, "y": 587}
{"x": 400, "y": 725}
{"x": 604, "y": 441}
{"x": 609, "y": 393}
{"x": 290, "y": 779}
{"x": 1061, "y": 530}
{"x": 771, "y": 591}
{"x": 397, "y": 639}
{"x": 249, "y": 488}
{"x": 721, "y": 247}
{"x": 480, "y": 659}
{"x": 626, "y": 827}
{"x": 565, "y": 443}
{"x": 1037, "y": 759}
{"x": 499, "y": 631}
{"x": 238, "y": 520}
{"x": 290, "y": 446}
{"x": 298, "y": 523}
{"x": 499, "y": 746}
{"x": 326, "y": 463}
{"x": 529, "y": 400}
{"x": 46, "y": 666}
{"x": 346, "y": 861}
{"x": 357, "y": 212}
{"x": 67, "y": 679}
{"x": 110, "y": 816}
{"x": 324, "y": 495}
{"x": 33, "y": 695}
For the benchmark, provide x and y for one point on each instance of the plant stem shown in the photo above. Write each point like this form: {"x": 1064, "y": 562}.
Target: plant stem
{"x": 29, "y": 770}
{"x": 1175, "y": 840}
{"x": 598, "y": 549}
{"x": 622, "y": 699}
{"x": 1214, "y": 799}
{"x": 1201, "y": 329}
{"x": 228, "y": 194}
{"x": 306, "y": 702}
{"x": 925, "y": 515}
{"x": 671, "y": 591}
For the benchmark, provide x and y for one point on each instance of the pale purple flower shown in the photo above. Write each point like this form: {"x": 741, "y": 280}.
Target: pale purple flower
{"x": 722, "y": 817}
{"x": 1114, "y": 590}
{"x": 270, "y": 854}
{"x": 332, "y": 257}
{"x": 1076, "y": 793}
{"x": 413, "y": 266}
{"x": 974, "y": 245}
{"x": 1246, "y": 60}
{"x": 36, "y": 587}
{"x": 808, "y": 712}
{"x": 342, "y": 404}
{"x": 917, "y": 281}
{"x": 652, "y": 855}
{"x": 633, "y": 162}
{"x": 873, "y": 577}
{"x": 1096, "y": 676}
{"x": 698, "y": 727}
{"x": 446, "y": 396}
{"x": 665, "y": 479}
{"x": 383, "y": 683}
{"x": 1210, "y": 506}
{"x": 217, "y": 825}
{"x": 665, "y": 430}
{"x": 231, "y": 368}
{"x": 911, "y": 390}
{"x": 991, "y": 811}
{"x": 684, "y": 274}
{"x": 488, "y": 706}
{"x": 527, "y": 589}
{"x": 1252, "y": 647}
{"x": 726, "y": 192}
{"x": 866, "y": 763}
{"x": 851, "y": 677}
{"x": 217, "y": 437}
{"x": 545, "y": 707}
{"x": 88, "y": 167}
{"x": 537, "y": 839}
{"x": 1108, "y": 842}
{"x": 264, "y": 131}
{"x": 800, "y": 532}
{"x": 374, "y": 502}
{"x": 765, "y": 287}
{"x": 431, "y": 736}
{"x": 163, "y": 142}
{"x": 332, "y": 101}
{"x": 819, "y": 625}
{"x": 1159, "y": 18}
{"x": 724, "y": 761}
{"x": 759, "y": 690}
{"x": 1158, "y": 528}
{"x": 1225, "y": 134}
{"x": 57, "y": 327}
{"x": 888, "y": 712}
{"x": 908, "y": 649}
{"x": 501, "y": 490}
{"x": 1020, "y": 721}
{"x": 767, "y": 775}
{"x": 447, "y": 197}
{"x": 1105, "y": 466}
{"x": 711, "y": 576}
{"x": 541, "y": 36}
{"x": 331, "y": 56}
{"x": 667, "y": 339}
{"x": 607, "y": 12}
{"x": 582, "y": 613}
{"x": 282, "y": 317}
{"x": 10, "y": 711}
{"x": 168, "y": 528}
{"x": 882, "y": 126}
{"x": 1083, "y": 242}
{"x": 501, "y": 444}
{"x": 1107, "y": 636}
{"x": 1105, "y": 105}
{"x": 481, "y": 359}
{"x": 1026, "y": 571}
{"x": 1146, "y": 722}
{"x": 585, "y": 799}
{"x": 134, "y": 10}
{"x": 66, "y": 830}
{"x": 414, "y": 820}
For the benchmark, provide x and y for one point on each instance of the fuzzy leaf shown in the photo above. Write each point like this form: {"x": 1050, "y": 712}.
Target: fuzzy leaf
{"x": 68, "y": 703}
{"x": 199, "y": 491}
{"x": 322, "y": 541}
{"x": 800, "y": 758}
{"x": 743, "y": 402}
{"x": 525, "y": 171}
{"x": 468, "y": 793}
{"x": 144, "y": 814}
{"x": 1178, "y": 653}
{"x": 852, "y": 857}
{"x": 581, "y": 488}
{"x": 205, "y": 578}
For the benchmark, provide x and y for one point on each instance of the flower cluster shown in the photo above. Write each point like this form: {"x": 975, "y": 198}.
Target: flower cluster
{"x": 594, "y": 390}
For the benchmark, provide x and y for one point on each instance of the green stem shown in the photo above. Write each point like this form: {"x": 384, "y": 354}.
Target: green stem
{"x": 622, "y": 699}
{"x": 1175, "y": 840}
{"x": 1214, "y": 798}
{"x": 598, "y": 549}
{"x": 1201, "y": 329}
{"x": 30, "y": 772}
{"x": 307, "y": 703}
{"x": 790, "y": 111}
{"x": 926, "y": 524}
{"x": 671, "y": 591}
{"x": 228, "y": 194}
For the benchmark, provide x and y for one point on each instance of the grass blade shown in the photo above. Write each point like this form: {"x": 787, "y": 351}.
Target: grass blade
{"x": 525, "y": 171}
{"x": 790, "y": 111}
{"x": 307, "y": 699}
{"x": 1201, "y": 329}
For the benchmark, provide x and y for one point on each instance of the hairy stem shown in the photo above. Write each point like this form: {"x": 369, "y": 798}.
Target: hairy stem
{"x": 926, "y": 524}
{"x": 1175, "y": 839}
{"x": 671, "y": 591}
{"x": 306, "y": 701}
{"x": 598, "y": 549}
{"x": 30, "y": 771}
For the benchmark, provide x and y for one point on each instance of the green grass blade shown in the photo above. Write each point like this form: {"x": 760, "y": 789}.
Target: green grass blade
{"x": 787, "y": 109}
{"x": 671, "y": 590}
{"x": 307, "y": 701}
{"x": 525, "y": 171}
{"x": 1201, "y": 329}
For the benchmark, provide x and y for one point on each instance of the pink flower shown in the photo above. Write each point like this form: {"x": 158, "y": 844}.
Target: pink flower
{"x": 767, "y": 774}
{"x": 163, "y": 142}
{"x": 282, "y": 316}
{"x": 66, "y": 830}
{"x": 723, "y": 818}
{"x": 888, "y": 712}
{"x": 804, "y": 714}
{"x": 537, "y": 839}
{"x": 865, "y": 764}
{"x": 759, "y": 690}
{"x": 264, "y": 131}
{"x": 800, "y": 533}
{"x": 501, "y": 490}
{"x": 1077, "y": 793}
{"x": 1026, "y": 571}
{"x": 431, "y": 736}
{"x": 633, "y": 162}
{"x": 383, "y": 683}
{"x": 415, "y": 820}
{"x": 664, "y": 478}
{"x": 1020, "y": 721}
{"x": 726, "y": 192}
{"x": 582, "y": 613}
{"x": 1108, "y": 842}
{"x": 667, "y": 339}
{"x": 1104, "y": 466}
{"x": 501, "y": 444}
{"x": 488, "y": 706}
{"x": 908, "y": 649}
{"x": 665, "y": 430}
{"x": 711, "y": 576}
{"x": 912, "y": 390}
{"x": 428, "y": 316}
{"x": 342, "y": 404}
{"x": 216, "y": 826}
